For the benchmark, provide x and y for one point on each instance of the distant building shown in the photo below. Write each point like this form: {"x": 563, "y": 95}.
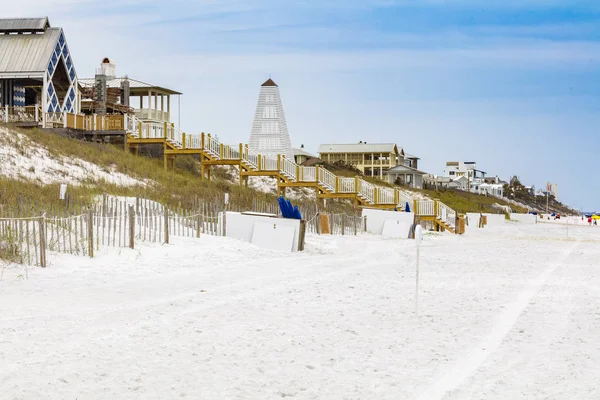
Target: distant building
{"x": 372, "y": 159}
{"x": 301, "y": 155}
{"x": 407, "y": 176}
{"x": 455, "y": 169}
{"x": 269, "y": 135}
{"x": 36, "y": 67}
{"x": 552, "y": 188}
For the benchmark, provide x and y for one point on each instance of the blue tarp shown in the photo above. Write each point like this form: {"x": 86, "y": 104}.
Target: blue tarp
{"x": 407, "y": 207}
{"x": 288, "y": 210}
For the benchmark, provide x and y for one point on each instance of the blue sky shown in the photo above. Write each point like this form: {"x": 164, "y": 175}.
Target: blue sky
{"x": 513, "y": 85}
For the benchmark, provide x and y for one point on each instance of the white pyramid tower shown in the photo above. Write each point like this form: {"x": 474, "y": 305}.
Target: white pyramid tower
{"x": 269, "y": 134}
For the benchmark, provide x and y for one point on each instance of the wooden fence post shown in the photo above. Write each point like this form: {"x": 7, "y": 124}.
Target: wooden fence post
{"x": 343, "y": 224}
{"x": 131, "y": 227}
{"x": 90, "y": 226}
{"x": 301, "y": 235}
{"x": 42, "y": 226}
{"x": 318, "y": 223}
{"x": 198, "y": 225}
{"x": 166, "y": 225}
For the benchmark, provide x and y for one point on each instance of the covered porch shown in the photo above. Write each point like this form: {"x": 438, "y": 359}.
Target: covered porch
{"x": 404, "y": 175}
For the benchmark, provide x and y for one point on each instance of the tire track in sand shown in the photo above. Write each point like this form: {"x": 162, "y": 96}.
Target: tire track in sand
{"x": 465, "y": 366}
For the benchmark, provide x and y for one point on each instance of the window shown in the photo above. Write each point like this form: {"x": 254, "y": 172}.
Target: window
{"x": 269, "y": 128}
{"x": 266, "y": 143}
{"x": 451, "y": 173}
{"x": 269, "y": 112}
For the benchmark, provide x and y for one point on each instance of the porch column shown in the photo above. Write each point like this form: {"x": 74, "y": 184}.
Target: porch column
{"x": 162, "y": 108}
{"x": 149, "y": 103}
{"x": 169, "y": 104}
{"x": 155, "y": 104}
{"x": 141, "y": 102}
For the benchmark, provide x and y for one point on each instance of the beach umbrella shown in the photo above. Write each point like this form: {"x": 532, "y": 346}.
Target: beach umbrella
{"x": 595, "y": 216}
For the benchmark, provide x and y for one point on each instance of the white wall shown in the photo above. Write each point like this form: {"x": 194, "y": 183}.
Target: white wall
{"x": 251, "y": 228}
{"x": 525, "y": 218}
{"x": 492, "y": 219}
{"x": 376, "y": 221}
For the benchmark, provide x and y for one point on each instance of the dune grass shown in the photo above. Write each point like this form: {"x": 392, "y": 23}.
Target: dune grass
{"x": 464, "y": 202}
{"x": 181, "y": 188}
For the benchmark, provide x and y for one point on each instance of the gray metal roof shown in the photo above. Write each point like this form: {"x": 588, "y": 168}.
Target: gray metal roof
{"x": 133, "y": 84}
{"x": 27, "y": 53}
{"x": 405, "y": 169}
{"x": 360, "y": 148}
{"x": 301, "y": 152}
{"x": 21, "y": 25}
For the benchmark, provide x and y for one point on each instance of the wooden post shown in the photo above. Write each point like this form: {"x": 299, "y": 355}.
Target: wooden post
{"x": 343, "y": 224}
{"x": 198, "y": 223}
{"x": 42, "y": 226}
{"x": 131, "y": 227}
{"x": 318, "y": 223}
{"x": 183, "y": 140}
{"x": 301, "y": 235}
{"x": 90, "y": 223}
{"x": 166, "y": 225}
{"x": 241, "y": 152}
{"x": 202, "y": 141}
{"x": 164, "y": 130}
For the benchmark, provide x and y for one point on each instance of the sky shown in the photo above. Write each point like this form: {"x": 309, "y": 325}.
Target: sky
{"x": 512, "y": 85}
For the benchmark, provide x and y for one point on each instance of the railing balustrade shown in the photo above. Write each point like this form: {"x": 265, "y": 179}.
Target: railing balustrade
{"x": 346, "y": 185}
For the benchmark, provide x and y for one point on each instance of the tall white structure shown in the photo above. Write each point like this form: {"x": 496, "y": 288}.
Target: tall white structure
{"x": 269, "y": 133}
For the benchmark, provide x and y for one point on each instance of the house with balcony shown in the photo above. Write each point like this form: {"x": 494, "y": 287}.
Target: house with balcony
{"x": 37, "y": 73}
{"x": 468, "y": 169}
{"x": 108, "y": 93}
{"x": 372, "y": 159}
{"x": 411, "y": 161}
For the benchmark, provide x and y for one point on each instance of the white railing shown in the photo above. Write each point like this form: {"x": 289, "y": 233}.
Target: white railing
{"x": 327, "y": 179}
{"x": 308, "y": 174}
{"x": 347, "y": 185}
{"x": 288, "y": 168}
{"x": 213, "y": 146}
{"x": 152, "y": 130}
{"x": 132, "y": 125}
{"x": 404, "y": 198}
{"x": 193, "y": 141}
{"x": 268, "y": 163}
{"x": 445, "y": 213}
{"x": 174, "y": 135}
{"x": 231, "y": 152}
{"x": 21, "y": 114}
{"x": 424, "y": 208}
{"x": 366, "y": 190}
{"x": 385, "y": 195}
{"x": 250, "y": 157}
{"x": 155, "y": 115}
